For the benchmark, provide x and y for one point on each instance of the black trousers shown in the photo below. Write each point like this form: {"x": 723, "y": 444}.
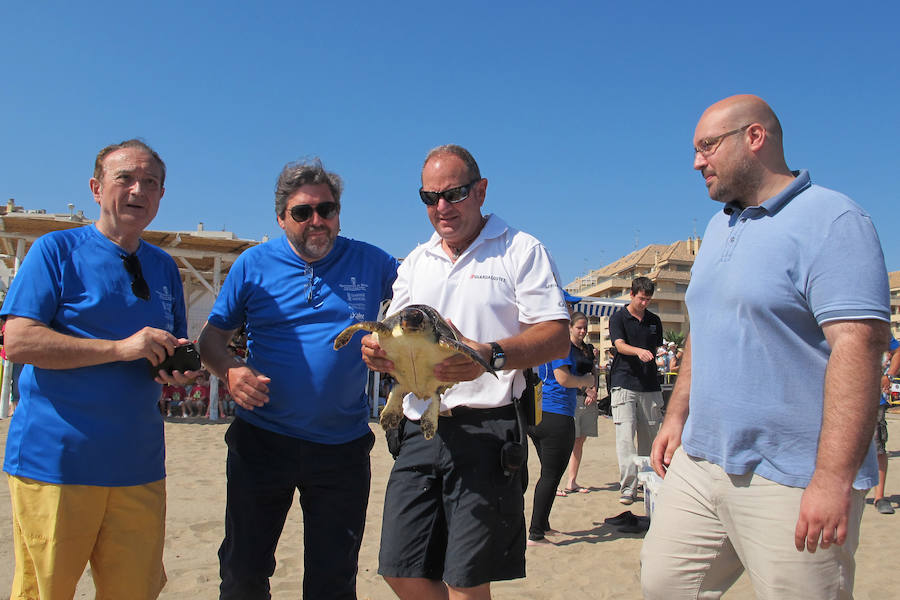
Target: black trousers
{"x": 264, "y": 469}
{"x": 553, "y": 439}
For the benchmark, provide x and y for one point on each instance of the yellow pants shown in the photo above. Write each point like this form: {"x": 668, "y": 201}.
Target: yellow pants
{"x": 57, "y": 529}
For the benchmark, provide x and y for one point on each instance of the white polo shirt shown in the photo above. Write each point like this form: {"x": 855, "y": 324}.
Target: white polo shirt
{"x": 502, "y": 283}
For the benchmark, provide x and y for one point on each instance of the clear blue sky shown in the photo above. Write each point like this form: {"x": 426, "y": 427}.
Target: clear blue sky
{"x": 580, "y": 114}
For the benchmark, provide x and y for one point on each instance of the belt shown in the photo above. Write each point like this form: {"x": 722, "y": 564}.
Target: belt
{"x": 459, "y": 411}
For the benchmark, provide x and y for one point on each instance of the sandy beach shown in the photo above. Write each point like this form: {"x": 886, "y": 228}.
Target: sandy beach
{"x": 591, "y": 560}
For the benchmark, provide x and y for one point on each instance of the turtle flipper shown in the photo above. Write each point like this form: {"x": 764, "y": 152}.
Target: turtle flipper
{"x": 429, "y": 420}
{"x": 392, "y": 412}
{"x": 343, "y": 337}
{"x": 463, "y": 349}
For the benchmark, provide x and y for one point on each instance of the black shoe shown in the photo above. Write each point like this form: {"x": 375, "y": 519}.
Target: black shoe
{"x": 625, "y": 518}
{"x": 883, "y": 505}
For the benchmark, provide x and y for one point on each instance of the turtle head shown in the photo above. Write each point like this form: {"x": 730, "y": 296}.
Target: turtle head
{"x": 413, "y": 319}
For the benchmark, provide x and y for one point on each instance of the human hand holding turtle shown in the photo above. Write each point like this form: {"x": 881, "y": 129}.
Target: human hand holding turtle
{"x": 461, "y": 367}
{"x": 424, "y": 354}
{"x": 455, "y": 368}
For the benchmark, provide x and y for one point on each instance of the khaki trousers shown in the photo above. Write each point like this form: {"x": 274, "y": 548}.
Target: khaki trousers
{"x": 636, "y": 415}
{"x": 709, "y": 526}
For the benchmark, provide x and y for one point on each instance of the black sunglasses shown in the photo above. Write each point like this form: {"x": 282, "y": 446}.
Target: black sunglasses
{"x": 301, "y": 213}
{"x": 453, "y": 195}
{"x": 139, "y": 285}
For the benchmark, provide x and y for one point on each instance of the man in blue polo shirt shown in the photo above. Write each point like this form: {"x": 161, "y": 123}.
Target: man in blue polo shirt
{"x": 85, "y": 452}
{"x": 766, "y": 447}
{"x": 302, "y": 416}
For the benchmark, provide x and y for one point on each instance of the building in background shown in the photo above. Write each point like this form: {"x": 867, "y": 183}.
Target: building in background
{"x": 668, "y": 266}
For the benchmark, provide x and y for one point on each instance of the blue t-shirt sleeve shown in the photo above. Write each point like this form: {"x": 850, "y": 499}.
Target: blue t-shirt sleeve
{"x": 228, "y": 310}
{"x": 568, "y": 361}
{"x": 851, "y": 254}
{"x": 894, "y": 344}
{"x": 35, "y": 290}
{"x": 178, "y": 308}
{"x": 390, "y": 276}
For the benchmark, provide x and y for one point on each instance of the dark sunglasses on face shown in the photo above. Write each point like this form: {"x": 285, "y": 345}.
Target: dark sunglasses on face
{"x": 453, "y": 195}
{"x": 301, "y": 213}
{"x": 139, "y": 285}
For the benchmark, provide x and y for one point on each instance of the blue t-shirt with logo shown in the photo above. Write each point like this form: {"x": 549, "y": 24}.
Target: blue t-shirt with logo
{"x": 97, "y": 425}
{"x": 293, "y": 311}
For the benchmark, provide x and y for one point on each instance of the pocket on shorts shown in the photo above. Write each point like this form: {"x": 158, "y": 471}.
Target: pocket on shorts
{"x": 621, "y": 406}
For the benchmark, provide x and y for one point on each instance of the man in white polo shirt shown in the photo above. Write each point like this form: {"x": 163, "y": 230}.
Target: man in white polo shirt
{"x": 457, "y": 516}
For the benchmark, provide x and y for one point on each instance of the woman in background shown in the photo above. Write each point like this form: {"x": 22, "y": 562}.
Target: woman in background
{"x": 554, "y": 437}
{"x": 586, "y": 413}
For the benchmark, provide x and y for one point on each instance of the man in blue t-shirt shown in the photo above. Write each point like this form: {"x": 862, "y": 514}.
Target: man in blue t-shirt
{"x": 766, "y": 447}
{"x": 87, "y": 310}
{"x": 302, "y": 412}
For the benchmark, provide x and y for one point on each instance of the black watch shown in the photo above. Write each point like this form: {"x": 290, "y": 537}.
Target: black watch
{"x": 498, "y": 356}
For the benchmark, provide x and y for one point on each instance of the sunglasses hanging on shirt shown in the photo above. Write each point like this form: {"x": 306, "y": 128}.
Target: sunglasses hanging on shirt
{"x": 139, "y": 285}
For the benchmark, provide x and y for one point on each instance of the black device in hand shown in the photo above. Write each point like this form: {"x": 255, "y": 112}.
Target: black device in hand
{"x": 185, "y": 358}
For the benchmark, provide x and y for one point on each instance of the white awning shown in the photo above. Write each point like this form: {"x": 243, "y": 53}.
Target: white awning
{"x": 599, "y": 308}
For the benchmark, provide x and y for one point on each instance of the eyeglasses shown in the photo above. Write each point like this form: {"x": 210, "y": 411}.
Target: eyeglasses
{"x": 301, "y": 213}
{"x": 708, "y": 146}
{"x": 139, "y": 285}
{"x": 453, "y": 195}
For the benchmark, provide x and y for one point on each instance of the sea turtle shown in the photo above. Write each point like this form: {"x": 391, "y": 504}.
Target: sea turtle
{"x": 415, "y": 339}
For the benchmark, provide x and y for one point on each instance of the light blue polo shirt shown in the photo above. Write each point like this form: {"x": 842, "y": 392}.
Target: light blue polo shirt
{"x": 765, "y": 280}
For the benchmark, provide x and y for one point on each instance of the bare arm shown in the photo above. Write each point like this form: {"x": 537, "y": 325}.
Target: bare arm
{"x": 852, "y": 382}
{"x": 669, "y": 437}
{"x": 248, "y": 387}
{"x": 538, "y": 344}
{"x": 565, "y": 378}
{"x": 30, "y": 341}
{"x": 629, "y": 350}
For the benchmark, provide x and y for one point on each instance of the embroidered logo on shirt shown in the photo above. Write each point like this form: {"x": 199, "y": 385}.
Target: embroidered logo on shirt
{"x": 490, "y": 277}
{"x": 356, "y": 295}
{"x": 354, "y": 287}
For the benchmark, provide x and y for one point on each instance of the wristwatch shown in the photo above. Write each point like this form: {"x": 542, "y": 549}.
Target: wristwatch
{"x": 498, "y": 356}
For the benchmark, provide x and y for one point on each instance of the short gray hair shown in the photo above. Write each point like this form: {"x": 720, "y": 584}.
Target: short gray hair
{"x": 460, "y": 153}
{"x": 295, "y": 175}
{"x": 132, "y": 143}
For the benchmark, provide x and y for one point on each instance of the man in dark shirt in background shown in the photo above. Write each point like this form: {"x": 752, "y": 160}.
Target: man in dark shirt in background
{"x": 637, "y": 400}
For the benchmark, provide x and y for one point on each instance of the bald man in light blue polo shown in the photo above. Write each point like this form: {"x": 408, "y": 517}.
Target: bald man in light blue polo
{"x": 766, "y": 447}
